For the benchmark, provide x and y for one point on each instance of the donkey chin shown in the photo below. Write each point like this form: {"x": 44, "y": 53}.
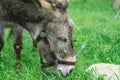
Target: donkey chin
{"x": 66, "y": 70}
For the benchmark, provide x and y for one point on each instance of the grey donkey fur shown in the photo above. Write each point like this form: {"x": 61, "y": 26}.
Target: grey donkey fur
{"x": 116, "y": 4}
{"x": 31, "y": 15}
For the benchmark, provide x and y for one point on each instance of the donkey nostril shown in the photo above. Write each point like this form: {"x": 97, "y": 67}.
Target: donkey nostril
{"x": 71, "y": 70}
{"x": 63, "y": 74}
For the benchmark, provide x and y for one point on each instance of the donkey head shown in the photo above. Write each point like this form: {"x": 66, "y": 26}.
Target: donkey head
{"x": 60, "y": 49}
{"x": 59, "y": 35}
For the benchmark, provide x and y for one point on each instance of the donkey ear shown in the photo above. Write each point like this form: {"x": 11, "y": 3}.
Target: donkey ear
{"x": 46, "y": 5}
{"x": 68, "y": 1}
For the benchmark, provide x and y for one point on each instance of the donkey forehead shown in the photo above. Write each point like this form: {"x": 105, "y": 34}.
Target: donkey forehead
{"x": 63, "y": 30}
{"x": 59, "y": 28}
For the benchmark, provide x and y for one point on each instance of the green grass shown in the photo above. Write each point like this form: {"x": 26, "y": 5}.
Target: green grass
{"x": 90, "y": 19}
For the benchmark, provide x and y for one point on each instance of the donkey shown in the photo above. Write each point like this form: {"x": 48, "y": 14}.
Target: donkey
{"x": 50, "y": 26}
{"x": 116, "y": 4}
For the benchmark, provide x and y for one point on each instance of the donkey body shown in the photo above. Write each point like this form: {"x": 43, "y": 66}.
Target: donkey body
{"x": 50, "y": 26}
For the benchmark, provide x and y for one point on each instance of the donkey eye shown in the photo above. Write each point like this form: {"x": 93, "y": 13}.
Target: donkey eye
{"x": 59, "y": 6}
{"x": 62, "y": 39}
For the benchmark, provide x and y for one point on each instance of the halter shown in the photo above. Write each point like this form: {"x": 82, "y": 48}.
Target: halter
{"x": 52, "y": 54}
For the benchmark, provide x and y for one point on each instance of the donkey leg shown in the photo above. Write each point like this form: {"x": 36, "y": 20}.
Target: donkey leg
{"x": 17, "y": 32}
{"x": 1, "y": 38}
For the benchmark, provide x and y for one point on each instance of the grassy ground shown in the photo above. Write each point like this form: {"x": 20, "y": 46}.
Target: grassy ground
{"x": 96, "y": 38}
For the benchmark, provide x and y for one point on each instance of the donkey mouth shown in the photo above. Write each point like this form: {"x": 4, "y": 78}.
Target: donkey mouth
{"x": 65, "y": 70}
